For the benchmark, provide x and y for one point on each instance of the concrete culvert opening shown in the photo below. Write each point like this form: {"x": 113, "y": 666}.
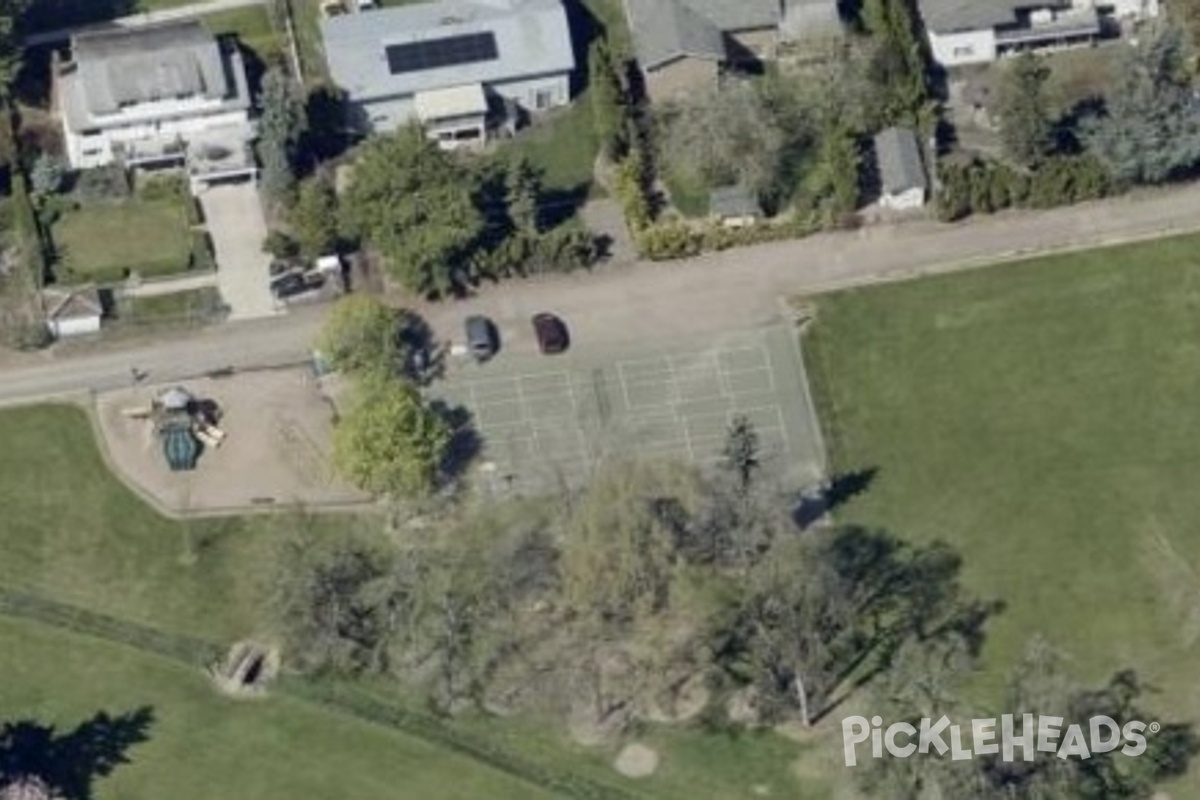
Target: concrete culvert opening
{"x": 247, "y": 670}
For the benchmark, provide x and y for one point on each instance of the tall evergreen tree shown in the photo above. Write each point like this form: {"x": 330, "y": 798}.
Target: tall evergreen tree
{"x": 1150, "y": 129}
{"x": 1026, "y": 128}
{"x": 280, "y": 129}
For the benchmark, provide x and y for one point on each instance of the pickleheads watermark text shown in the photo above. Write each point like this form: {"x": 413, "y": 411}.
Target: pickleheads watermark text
{"x": 1003, "y": 736}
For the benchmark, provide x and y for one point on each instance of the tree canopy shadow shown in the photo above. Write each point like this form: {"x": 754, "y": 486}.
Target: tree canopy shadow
{"x": 423, "y": 357}
{"x": 70, "y": 762}
{"x": 45, "y": 15}
{"x": 836, "y": 492}
{"x": 903, "y": 592}
{"x": 465, "y": 442}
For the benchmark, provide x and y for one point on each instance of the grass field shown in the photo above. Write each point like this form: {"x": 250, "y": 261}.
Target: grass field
{"x": 1041, "y": 418}
{"x": 201, "y": 746}
{"x": 100, "y": 241}
{"x": 71, "y": 533}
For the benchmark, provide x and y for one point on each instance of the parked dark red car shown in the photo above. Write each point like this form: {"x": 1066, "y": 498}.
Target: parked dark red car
{"x": 551, "y": 332}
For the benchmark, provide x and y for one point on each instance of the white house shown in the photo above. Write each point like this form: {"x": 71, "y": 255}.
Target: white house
{"x": 901, "y": 172}
{"x": 157, "y": 95}
{"x": 980, "y": 31}
{"x": 456, "y": 66}
{"x": 72, "y": 312}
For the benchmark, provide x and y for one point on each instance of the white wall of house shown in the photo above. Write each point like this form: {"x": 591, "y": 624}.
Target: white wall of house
{"x": 96, "y": 150}
{"x": 903, "y": 201}
{"x": 74, "y": 326}
{"x": 533, "y": 94}
{"x": 963, "y": 47}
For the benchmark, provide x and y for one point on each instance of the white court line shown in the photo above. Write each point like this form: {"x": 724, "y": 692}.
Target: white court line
{"x": 770, "y": 387}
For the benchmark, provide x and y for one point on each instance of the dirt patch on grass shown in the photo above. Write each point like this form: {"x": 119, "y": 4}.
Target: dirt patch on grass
{"x": 636, "y": 761}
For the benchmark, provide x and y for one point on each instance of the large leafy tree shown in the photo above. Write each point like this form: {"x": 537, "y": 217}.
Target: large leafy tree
{"x": 1026, "y": 127}
{"x": 280, "y": 129}
{"x": 390, "y": 442}
{"x": 731, "y": 135}
{"x": 362, "y": 335}
{"x": 417, "y": 205}
{"x": 1150, "y": 129}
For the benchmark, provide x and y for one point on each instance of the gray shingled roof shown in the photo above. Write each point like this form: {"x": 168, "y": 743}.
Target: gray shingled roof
{"x": 664, "y": 30}
{"x": 532, "y": 37}
{"x": 958, "y": 15}
{"x": 139, "y": 65}
{"x": 899, "y": 158}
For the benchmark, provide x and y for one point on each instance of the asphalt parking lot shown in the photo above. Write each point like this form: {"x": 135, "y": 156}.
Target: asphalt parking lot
{"x": 550, "y": 420}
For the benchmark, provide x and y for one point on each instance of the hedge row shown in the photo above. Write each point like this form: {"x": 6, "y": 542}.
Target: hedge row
{"x": 78, "y": 620}
{"x": 982, "y": 187}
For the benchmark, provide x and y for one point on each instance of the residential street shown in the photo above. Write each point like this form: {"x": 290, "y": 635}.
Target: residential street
{"x": 734, "y": 290}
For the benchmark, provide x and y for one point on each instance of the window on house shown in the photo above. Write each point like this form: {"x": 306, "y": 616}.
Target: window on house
{"x": 962, "y": 52}
{"x": 542, "y": 99}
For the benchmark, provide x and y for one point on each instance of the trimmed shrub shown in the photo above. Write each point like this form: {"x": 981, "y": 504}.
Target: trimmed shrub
{"x": 109, "y": 182}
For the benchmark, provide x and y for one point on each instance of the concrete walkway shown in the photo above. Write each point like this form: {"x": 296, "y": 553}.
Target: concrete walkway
{"x": 198, "y": 9}
{"x": 234, "y": 217}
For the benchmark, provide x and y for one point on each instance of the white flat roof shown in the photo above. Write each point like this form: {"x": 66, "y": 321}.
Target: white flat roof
{"x": 467, "y": 100}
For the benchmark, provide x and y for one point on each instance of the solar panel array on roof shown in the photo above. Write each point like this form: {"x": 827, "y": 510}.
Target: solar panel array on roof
{"x": 445, "y": 52}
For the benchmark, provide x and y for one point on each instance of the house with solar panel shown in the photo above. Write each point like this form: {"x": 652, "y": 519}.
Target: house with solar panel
{"x": 157, "y": 96}
{"x": 461, "y": 68}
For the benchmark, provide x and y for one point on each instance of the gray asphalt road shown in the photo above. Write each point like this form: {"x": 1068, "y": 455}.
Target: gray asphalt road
{"x": 733, "y": 290}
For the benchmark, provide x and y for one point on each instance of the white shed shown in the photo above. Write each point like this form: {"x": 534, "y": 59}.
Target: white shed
{"x": 72, "y": 312}
{"x": 901, "y": 173}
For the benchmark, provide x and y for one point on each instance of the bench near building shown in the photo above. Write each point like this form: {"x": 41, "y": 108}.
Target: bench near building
{"x": 462, "y": 68}
{"x": 162, "y": 95}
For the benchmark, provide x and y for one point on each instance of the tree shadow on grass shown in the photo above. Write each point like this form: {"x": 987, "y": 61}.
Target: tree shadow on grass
{"x": 834, "y": 493}
{"x": 70, "y": 762}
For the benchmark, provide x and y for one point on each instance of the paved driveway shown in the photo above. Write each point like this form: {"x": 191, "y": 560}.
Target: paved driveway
{"x": 235, "y": 221}
{"x": 551, "y": 420}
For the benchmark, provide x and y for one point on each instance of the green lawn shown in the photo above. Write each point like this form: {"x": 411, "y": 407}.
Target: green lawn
{"x": 1041, "y": 418}
{"x": 100, "y": 241}
{"x": 201, "y": 745}
{"x": 253, "y": 28}
{"x": 562, "y": 145}
{"x": 195, "y": 306}
{"x": 70, "y": 532}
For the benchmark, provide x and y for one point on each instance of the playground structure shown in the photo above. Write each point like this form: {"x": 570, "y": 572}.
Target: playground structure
{"x": 184, "y": 424}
